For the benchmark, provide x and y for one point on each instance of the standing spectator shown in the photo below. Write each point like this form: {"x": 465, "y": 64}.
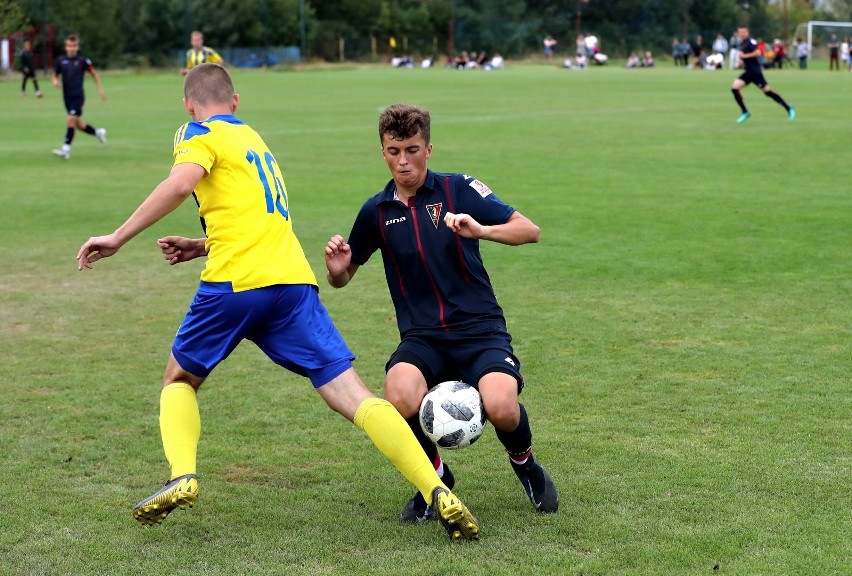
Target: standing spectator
{"x": 754, "y": 75}
{"x": 28, "y": 69}
{"x": 549, "y": 43}
{"x": 698, "y": 46}
{"x": 199, "y": 53}
{"x": 780, "y": 53}
{"x": 72, "y": 68}
{"x": 676, "y": 51}
{"x": 581, "y": 44}
{"x": 761, "y": 52}
{"x": 734, "y": 52}
{"x": 720, "y": 45}
{"x": 802, "y": 53}
{"x": 833, "y": 53}
{"x": 684, "y": 51}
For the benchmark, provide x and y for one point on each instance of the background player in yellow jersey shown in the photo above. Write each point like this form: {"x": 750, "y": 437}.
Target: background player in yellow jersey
{"x": 248, "y": 292}
{"x": 199, "y": 53}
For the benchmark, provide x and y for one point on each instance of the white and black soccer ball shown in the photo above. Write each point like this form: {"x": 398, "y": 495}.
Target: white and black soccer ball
{"x": 452, "y": 415}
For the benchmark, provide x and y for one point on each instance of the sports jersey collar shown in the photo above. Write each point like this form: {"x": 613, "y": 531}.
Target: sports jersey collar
{"x": 228, "y": 118}
{"x": 389, "y": 193}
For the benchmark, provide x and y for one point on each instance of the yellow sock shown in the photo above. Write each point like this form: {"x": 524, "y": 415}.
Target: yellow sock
{"x": 392, "y": 436}
{"x": 180, "y": 427}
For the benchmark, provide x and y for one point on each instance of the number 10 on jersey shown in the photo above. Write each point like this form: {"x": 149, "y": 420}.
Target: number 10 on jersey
{"x": 280, "y": 201}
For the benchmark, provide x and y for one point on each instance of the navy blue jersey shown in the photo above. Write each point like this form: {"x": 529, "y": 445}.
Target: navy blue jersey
{"x": 436, "y": 278}
{"x": 72, "y": 71}
{"x": 750, "y": 64}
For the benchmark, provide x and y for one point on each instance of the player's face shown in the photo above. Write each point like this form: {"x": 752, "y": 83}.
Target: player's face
{"x": 71, "y": 48}
{"x": 197, "y": 40}
{"x": 406, "y": 159}
{"x": 742, "y": 33}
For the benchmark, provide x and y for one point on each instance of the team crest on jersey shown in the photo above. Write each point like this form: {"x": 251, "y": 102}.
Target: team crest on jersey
{"x": 481, "y": 188}
{"x": 434, "y": 211}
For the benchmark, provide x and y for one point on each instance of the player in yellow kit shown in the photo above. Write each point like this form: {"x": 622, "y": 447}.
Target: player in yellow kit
{"x": 256, "y": 285}
{"x": 199, "y": 53}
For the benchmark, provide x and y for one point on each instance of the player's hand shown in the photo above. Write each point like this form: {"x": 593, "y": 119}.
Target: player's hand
{"x": 178, "y": 249}
{"x": 96, "y": 248}
{"x": 464, "y": 225}
{"x": 55, "y": 83}
{"x": 338, "y": 255}
{"x": 103, "y": 95}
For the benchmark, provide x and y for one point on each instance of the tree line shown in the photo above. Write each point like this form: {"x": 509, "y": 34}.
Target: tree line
{"x": 140, "y": 33}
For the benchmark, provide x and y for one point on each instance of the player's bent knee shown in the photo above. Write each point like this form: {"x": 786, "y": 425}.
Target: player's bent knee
{"x": 503, "y": 415}
{"x": 406, "y": 401}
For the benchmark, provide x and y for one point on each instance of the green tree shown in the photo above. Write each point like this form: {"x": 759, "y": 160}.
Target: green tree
{"x": 12, "y": 18}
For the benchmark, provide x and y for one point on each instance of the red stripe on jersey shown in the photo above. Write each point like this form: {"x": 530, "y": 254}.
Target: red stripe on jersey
{"x": 389, "y": 251}
{"x": 413, "y": 209}
{"x": 460, "y": 252}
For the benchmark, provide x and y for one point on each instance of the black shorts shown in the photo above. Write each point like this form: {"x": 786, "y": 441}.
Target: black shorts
{"x": 459, "y": 356}
{"x": 755, "y": 78}
{"x": 74, "y": 105}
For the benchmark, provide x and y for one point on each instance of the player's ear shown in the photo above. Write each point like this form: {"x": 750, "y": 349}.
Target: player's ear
{"x": 428, "y": 150}
{"x": 235, "y": 103}
{"x": 189, "y": 107}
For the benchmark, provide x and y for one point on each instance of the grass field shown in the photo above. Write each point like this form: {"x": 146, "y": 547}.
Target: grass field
{"x": 685, "y": 328}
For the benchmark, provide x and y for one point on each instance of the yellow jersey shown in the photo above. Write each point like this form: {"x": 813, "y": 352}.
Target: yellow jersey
{"x": 243, "y": 205}
{"x": 203, "y": 55}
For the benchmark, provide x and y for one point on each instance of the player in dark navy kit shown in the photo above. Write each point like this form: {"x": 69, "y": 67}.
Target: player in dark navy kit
{"x": 72, "y": 68}
{"x": 28, "y": 69}
{"x": 427, "y": 226}
{"x": 753, "y": 74}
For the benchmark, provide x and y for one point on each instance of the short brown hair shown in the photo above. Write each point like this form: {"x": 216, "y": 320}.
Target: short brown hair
{"x": 208, "y": 83}
{"x": 403, "y": 121}
{"x": 72, "y": 38}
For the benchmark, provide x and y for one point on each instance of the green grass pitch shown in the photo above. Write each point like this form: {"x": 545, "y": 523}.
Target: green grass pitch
{"x": 684, "y": 325}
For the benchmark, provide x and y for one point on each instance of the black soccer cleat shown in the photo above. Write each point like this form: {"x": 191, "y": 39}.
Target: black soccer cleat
{"x": 538, "y": 485}
{"x": 417, "y": 510}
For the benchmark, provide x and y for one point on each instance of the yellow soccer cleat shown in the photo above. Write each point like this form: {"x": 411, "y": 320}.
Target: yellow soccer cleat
{"x": 182, "y": 492}
{"x": 454, "y": 516}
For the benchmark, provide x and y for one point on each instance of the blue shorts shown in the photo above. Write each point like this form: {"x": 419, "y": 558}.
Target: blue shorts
{"x": 287, "y": 322}
{"x": 465, "y": 356}
{"x": 74, "y": 105}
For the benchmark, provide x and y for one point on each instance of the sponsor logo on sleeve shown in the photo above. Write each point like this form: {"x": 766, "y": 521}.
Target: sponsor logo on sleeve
{"x": 481, "y": 188}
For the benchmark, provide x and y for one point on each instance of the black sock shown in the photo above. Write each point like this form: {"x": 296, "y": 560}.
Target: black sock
{"x": 69, "y": 136}
{"x": 739, "y": 98}
{"x": 89, "y": 130}
{"x": 777, "y": 97}
{"x": 518, "y": 443}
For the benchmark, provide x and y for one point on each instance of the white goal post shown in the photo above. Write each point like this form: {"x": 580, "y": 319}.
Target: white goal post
{"x": 819, "y": 23}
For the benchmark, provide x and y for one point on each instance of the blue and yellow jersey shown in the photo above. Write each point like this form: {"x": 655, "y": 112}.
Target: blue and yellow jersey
{"x": 244, "y": 206}
{"x": 204, "y": 55}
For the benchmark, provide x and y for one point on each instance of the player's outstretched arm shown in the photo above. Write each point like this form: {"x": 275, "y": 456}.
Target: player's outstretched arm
{"x": 338, "y": 261}
{"x": 167, "y": 196}
{"x": 177, "y": 249}
{"x": 517, "y": 230}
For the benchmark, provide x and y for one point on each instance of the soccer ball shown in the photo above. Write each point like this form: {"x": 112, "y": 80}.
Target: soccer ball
{"x": 452, "y": 415}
